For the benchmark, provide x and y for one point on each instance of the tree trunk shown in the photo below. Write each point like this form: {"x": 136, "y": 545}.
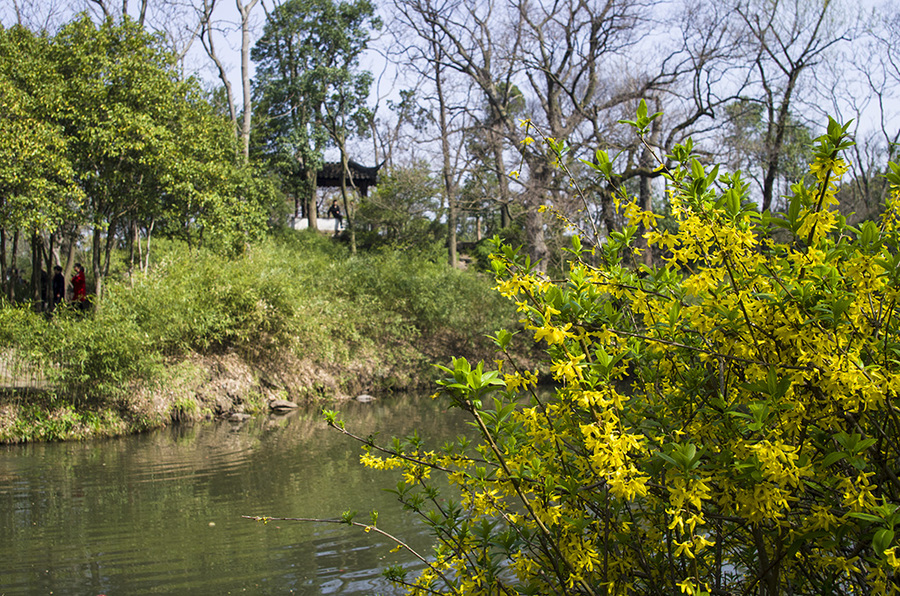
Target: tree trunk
{"x": 449, "y": 181}
{"x": 96, "y": 261}
{"x": 13, "y": 280}
{"x": 505, "y": 217}
{"x": 502, "y": 180}
{"x": 345, "y": 173}
{"x": 133, "y": 245}
{"x": 207, "y": 41}
{"x": 48, "y": 260}
{"x": 37, "y": 285}
{"x": 107, "y": 249}
{"x": 645, "y": 163}
{"x": 775, "y": 142}
{"x": 534, "y": 220}
{"x": 769, "y": 567}
{"x": 245, "y": 74}
{"x": 3, "y": 268}
{"x": 145, "y": 266}
{"x": 143, "y": 16}
{"x": 70, "y": 253}
{"x": 537, "y": 245}
{"x": 312, "y": 189}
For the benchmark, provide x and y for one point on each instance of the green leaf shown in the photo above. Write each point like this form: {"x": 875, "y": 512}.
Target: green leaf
{"x": 833, "y": 457}
{"x": 882, "y": 540}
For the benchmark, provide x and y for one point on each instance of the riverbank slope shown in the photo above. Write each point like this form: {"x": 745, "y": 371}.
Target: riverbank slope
{"x": 195, "y": 336}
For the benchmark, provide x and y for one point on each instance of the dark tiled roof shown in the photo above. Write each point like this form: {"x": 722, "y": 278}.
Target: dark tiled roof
{"x": 330, "y": 174}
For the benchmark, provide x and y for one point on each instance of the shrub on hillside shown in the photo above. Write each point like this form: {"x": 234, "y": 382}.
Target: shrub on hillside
{"x": 195, "y": 300}
{"x": 94, "y": 360}
{"x": 428, "y": 295}
{"x": 87, "y": 357}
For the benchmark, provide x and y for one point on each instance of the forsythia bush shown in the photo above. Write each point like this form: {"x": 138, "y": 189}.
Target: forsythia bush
{"x": 725, "y": 422}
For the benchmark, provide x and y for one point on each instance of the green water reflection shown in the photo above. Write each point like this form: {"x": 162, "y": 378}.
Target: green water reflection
{"x": 161, "y": 513}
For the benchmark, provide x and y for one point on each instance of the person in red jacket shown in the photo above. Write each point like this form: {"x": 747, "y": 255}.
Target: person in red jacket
{"x": 79, "y": 287}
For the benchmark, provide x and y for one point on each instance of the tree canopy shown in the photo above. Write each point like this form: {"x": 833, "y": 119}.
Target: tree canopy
{"x": 308, "y": 87}
{"x": 37, "y": 181}
{"x": 100, "y": 130}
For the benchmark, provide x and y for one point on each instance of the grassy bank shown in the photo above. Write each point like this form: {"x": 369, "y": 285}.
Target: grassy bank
{"x": 196, "y": 335}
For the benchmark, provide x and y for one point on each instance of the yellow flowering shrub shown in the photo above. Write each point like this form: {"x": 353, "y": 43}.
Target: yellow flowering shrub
{"x": 725, "y": 422}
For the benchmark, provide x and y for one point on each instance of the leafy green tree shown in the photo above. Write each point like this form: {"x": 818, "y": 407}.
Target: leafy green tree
{"x": 306, "y": 72}
{"x": 398, "y": 213}
{"x": 36, "y": 176}
{"x": 38, "y": 190}
{"x": 149, "y": 150}
{"x": 345, "y": 114}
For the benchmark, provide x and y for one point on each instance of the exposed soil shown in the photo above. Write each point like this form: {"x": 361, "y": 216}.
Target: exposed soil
{"x": 217, "y": 385}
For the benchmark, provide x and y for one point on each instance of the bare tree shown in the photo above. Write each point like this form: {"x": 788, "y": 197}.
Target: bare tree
{"x": 428, "y": 52}
{"x": 785, "y": 41}
{"x": 563, "y": 60}
{"x": 46, "y": 16}
{"x": 176, "y": 20}
{"x": 871, "y": 100}
{"x": 209, "y": 30}
{"x": 110, "y": 11}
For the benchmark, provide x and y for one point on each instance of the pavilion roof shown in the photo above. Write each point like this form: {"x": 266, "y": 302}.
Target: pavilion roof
{"x": 360, "y": 176}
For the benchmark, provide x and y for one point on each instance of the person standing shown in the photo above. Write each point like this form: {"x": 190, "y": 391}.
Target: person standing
{"x": 335, "y": 212}
{"x": 59, "y": 287}
{"x": 79, "y": 288}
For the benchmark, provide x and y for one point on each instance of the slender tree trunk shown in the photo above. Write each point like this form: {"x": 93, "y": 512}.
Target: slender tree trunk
{"x": 207, "y": 41}
{"x": 646, "y": 163}
{"x": 245, "y": 74}
{"x": 505, "y": 217}
{"x": 133, "y": 240}
{"x": 345, "y": 174}
{"x": 3, "y": 268}
{"x": 145, "y": 266}
{"x": 449, "y": 180}
{"x": 13, "y": 280}
{"x": 312, "y": 189}
{"x": 502, "y": 180}
{"x": 96, "y": 260}
{"x": 37, "y": 285}
{"x": 48, "y": 259}
{"x": 775, "y": 142}
{"x": 143, "y": 16}
{"x": 70, "y": 253}
{"x": 769, "y": 568}
{"x": 107, "y": 249}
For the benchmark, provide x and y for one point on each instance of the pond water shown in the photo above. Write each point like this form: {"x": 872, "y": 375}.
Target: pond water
{"x": 160, "y": 513}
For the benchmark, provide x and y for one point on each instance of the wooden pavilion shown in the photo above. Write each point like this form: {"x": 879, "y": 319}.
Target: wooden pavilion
{"x": 362, "y": 177}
